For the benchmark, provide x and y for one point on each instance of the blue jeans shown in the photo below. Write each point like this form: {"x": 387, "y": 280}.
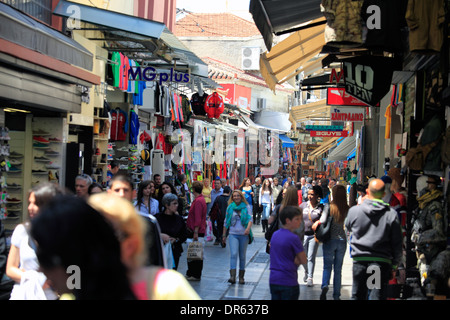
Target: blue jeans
{"x": 311, "y": 246}
{"x": 284, "y": 292}
{"x": 333, "y": 257}
{"x": 266, "y": 211}
{"x": 238, "y": 246}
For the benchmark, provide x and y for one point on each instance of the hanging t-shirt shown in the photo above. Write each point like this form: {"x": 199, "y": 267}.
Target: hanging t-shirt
{"x": 116, "y": 67}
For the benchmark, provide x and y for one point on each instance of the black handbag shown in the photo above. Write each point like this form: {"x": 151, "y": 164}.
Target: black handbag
{"x": 323, "y": 230}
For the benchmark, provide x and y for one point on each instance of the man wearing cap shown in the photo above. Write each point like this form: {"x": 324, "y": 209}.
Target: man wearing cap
{"x": 218, "y": 213}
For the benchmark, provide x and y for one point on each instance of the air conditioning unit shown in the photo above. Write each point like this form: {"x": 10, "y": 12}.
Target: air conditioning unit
{"x": 250, "y": 58}
{"x": 261, "y": 103}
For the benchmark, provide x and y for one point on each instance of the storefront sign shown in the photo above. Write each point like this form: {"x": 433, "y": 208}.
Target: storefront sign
{"x": 324, "y": 128}
{"x": 368, "y": 78}
{"x": 149, "y": 74}
{"x": 311, "y": 147}
{"x": 347, "y": 114}
{"x": 327, "y": 134}
{"x": 338, "y": 97}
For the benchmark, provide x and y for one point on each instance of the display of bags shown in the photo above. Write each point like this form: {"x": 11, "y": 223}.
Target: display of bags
{"x": 195, "y": 251}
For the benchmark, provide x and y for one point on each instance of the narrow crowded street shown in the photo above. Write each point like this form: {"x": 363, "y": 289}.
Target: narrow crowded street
{"x": 214, "y": 282}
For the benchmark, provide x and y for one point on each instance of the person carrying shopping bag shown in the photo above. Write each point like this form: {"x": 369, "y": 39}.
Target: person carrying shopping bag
{"x": 239, "y": 222}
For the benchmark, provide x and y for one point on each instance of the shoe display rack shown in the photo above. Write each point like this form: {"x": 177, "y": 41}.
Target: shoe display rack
{"x": 47, "y": 150}
{"x": 12, "y": 181}
{"x": 129, "y": 159}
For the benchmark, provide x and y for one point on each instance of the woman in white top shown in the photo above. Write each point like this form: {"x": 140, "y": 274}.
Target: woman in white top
{"x": 266, "y": 201}
{"x": 145, "y": 204}
{"x": 23, "y": 265}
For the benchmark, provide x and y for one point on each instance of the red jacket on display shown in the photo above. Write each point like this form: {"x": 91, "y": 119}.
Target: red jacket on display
{"x": 119, "y": 125}
{"x": 214, "y": 105}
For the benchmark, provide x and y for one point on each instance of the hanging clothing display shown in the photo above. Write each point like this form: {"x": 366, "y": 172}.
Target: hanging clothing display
{"x": 214, "y": 106}
{"x": 425, "y": 20}
{"x": 343, "y": 26}
{"x": 198, "y": 104}
{"x": 119, "y": 125}
{"x": 134, "y": 127}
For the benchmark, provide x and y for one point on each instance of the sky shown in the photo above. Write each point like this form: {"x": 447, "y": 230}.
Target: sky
{"x": 237, "y": 7}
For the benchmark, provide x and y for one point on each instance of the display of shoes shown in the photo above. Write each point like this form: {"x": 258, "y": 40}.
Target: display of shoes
{"x": 15, "y": 154}
{"x": 12, "y": 216}
{"x": 41, "y": 159}
{"x": 41, "y": 140}
{"x": 39, "y": 145}
{"x": 54, "y": 140}
{"x": 51, "y": 153}
{"x": 13, "y": 200}
{"x": 122, "y": 159}
{"x": 40, "y": 132}
{"x": 38, "y": 171}
{"x": 14, "y": 169}
{"x": 15, "y": 162}
{"x": 52, "y": 165}
{"x": 13, "y": 186}
{"x": 124, "y": 148}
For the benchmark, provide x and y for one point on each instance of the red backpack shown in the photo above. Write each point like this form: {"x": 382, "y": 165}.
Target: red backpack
{"x": 214, "y": 105}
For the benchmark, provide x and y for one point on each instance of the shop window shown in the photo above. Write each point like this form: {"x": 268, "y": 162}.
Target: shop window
{"x": 40, "y": 9}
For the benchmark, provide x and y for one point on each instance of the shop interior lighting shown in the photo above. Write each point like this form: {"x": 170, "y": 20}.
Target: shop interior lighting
{"x": 15, "y": 110}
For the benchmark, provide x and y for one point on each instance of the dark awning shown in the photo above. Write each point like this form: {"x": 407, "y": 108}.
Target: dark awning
{"x": 282, "y": 16}
{"x": 146, "y": 39}
{"x": 23, "y": 30}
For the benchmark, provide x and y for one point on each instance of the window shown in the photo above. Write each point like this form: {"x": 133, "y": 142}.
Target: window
{"x": 40, "y": 9}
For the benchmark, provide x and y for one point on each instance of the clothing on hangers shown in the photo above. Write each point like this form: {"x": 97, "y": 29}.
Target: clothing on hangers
{"x": 134, "y": 127}
{"x": 119, "y": 125}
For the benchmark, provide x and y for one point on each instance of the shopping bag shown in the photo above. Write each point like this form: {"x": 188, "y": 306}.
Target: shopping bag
{"x": 209, "y": 230}
{"x": 195, "y": 251}
{"x": 169, "y": 255}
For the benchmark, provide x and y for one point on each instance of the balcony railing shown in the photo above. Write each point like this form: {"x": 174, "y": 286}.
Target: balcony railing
{"x": 40, "y": 9}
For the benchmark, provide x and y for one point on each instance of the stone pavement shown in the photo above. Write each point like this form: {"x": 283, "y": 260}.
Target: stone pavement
{"x": 214, "y": 285}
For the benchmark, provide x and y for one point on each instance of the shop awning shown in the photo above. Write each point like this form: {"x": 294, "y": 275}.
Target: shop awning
{"x": 343, "y": 150}
{"x": 146, "y": 39}
{"x": 352, "y": 154}
{"x": 277, "y": 17}
{"x": 272, "y": 119}
{"x": 286, "y": 142}
{"x": 292, "y": 55}
{"x": 313, "y": 110}
{"x": 27, "y": 32}
{"x": 323, "y": 148}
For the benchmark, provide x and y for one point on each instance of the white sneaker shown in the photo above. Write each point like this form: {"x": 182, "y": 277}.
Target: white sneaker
{"x": 309, "y": 282}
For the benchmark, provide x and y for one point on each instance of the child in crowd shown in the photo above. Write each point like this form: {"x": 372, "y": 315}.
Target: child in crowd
{"x": 286, "y": 254}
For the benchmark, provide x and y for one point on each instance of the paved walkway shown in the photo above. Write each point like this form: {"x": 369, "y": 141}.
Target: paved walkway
{"x": 214, "y": 285}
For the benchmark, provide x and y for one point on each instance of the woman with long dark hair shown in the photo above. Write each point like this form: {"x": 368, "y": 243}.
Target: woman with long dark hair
{"x": 334, "y": 249}
{"x": 246, "y": 188}
{"x": 145, "y": 203}
{"x": 164, "y": 188}
{"x": 22, "y": 260}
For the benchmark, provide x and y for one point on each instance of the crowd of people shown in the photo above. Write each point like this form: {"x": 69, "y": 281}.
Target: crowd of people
{"x": 139, "y": 235}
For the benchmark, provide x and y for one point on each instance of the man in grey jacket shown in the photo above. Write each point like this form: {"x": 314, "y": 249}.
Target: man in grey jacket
{"x": 375, "y": 244}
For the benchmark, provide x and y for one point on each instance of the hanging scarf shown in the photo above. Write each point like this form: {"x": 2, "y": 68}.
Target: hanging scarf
{"x": 428, "y": 197}
{"x": 245, "y": 217}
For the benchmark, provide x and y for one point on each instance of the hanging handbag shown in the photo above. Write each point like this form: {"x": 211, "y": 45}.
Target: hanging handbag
{"x": 323, "y": 230}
